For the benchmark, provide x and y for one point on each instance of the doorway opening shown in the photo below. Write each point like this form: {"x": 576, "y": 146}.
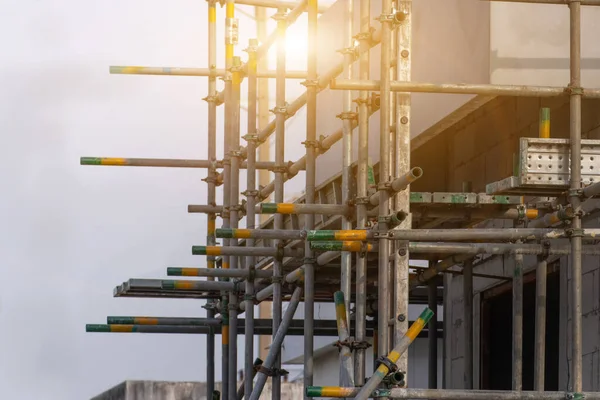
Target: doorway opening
{"x": 496, "y": 333}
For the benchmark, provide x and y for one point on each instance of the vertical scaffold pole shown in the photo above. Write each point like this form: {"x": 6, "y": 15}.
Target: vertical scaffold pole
{"x": 230, "y": 33}
{"x": 468, "y": 322}
{"x": 540, "y": 323}
{"x": 311, "y": 147}
{"x": 432, "y": 333}
{"x": 362, "y": 191}
{"x": 403, "y": 16}
{"x": 347, "y": 116}
{"x": 251, "y": 193}
{"x": 235, "y": 208}
{"x": 383, "y": 292}
{"x": 280, "y": 116}
{"x": 263, "y": 152}
{"x": 575, "y": 141}
{"x": 517, "y": 305}
{"x": 211, "y": 180}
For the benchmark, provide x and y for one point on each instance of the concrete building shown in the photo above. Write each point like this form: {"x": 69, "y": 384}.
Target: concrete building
{"x": 458, "y": 138}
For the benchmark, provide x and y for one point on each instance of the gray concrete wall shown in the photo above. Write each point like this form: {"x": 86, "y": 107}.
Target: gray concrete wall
{"x": 530, "y": 44}
{"x": 157, "y": 390}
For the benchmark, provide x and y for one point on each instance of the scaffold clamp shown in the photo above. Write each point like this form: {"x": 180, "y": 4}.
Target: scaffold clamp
{"x": 273, "y": 372}
{"x": 391, "y": 366}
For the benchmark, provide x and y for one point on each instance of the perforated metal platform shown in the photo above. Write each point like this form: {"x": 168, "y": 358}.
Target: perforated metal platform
{"x": 544, "y": 168}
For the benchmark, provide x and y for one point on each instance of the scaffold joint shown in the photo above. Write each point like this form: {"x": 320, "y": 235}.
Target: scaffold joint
{"x": 251, "y": 193}
{"x": 310, "y": 82}
{"x": 252, "y": 138}
{"x": 211, "y": 99}
{"x": 362, "y": 200}
{"x": 277, "y": 279}
{"x": 576, "y": 90}
{"x": 236, "y": 154}
{"x": 347, "y": 115}
{"x": 281, "y": 169}
{"x": 280, "y": 16}
{"x": 572, "y": 232}
{"x": 364, "y": 36}
{"x": 378, "y": 393}
{"x": 281, "y": 110}
{"x": 250, "y": 297}
{"x": 384, "y": 185}
{"x": 210, "y": 306}
{"x": 273, "y": 372}
{"x": 575, "y": 193}
{"x": 391, "y": 366}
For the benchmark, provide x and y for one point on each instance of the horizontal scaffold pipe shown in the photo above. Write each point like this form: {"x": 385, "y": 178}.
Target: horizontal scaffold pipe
{"x": 206, "y": 209}
{"x": 449, "y": 235}
{"x": 282, "y": 234}
{"x": 495, "y": 248}
{"x": 246, "y": 251}
{"x": 462, "y": 88}
{"x": 120, "y": 320}
{"x": 292, "y": 208}
{"x": 217, "y": 272}
{"x": 279, "y": 4}
{"x": 448, "y": 394}
{"x": 166, "y": 163}
{"x": 562, "y": 215}
{"x": 399, "y": 184}
{"x": 511, "y": 213}
{"x": 351, "y": 246}
{"x": 165, "y": 284}
{"x": 560, "y": 2}
{"x": 177, "y": 71}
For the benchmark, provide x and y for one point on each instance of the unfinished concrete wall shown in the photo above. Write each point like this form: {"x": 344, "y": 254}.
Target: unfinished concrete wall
{"x": 503, "y": 266}
{"x": 530, "y": 44}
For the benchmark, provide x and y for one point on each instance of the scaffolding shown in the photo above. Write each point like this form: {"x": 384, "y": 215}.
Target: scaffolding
{"x": 367, "y": 232}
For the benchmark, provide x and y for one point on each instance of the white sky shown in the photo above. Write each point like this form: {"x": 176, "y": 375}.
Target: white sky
{"x": 72, "y": 233}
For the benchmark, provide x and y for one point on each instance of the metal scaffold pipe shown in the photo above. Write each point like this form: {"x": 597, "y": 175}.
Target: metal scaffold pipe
{"x": 362, "y": 190}
{"x": 169, "y": 163}
{"x": 251, "y": 195}
{"x": 279, "y": 4}
{"x": 246, "y": 251}
{"x": 449, "y": 235}
{"x": 387, "y": 363}
{"x": 217, "y": 273}
{"x": 517, "y": 325}
{"x": 292, "y": 208}
{"x": 177, "y": 71}
{"x": 445, "y": 394}
{"x": 253, "y": 371}
{"x": 574, "y": 193}
{"x": 592, "y": 190}
{"x": 211, "y": 181}
{"x": 346, "y": 361}
{"x": 310, "y": 188}
{"x": 275, "y": 347}
{"x": 118, "y": 320}
{"x": 346, "y": 377}
{"x": 280, "y": 118}
{"x": 462, "y": 88}
{"x": 399, "y": 184}
{"x": 349, "y": 246}
{"x": 540, "y": 323}
{"x": 260, "y": 234}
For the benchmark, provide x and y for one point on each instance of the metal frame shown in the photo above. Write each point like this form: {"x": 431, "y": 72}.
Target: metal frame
{"x": 278, "y": 260}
